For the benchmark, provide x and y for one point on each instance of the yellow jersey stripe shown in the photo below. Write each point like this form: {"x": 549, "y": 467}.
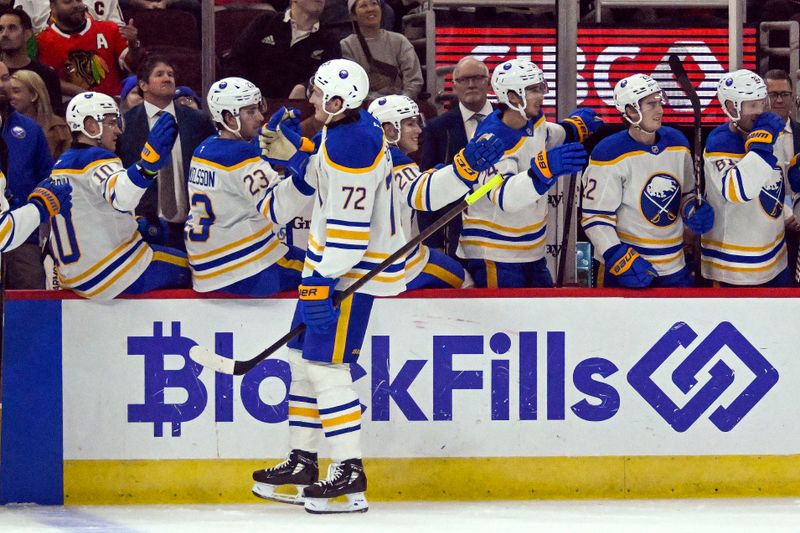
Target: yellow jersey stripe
{"x": 236, "y": 244}
{"x": 57, "y": 171}
{"x": 122, "y": 272}
{"x": 104, "y": 261}
{"x": 240, "y": 264}
{"x": 212, "y": 164}
{"x": 507, "y": 229}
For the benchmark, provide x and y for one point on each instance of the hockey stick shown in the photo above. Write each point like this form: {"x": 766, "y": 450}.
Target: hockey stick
{"x": 686, "y": 85}
{"x": 562, "y": 257}
{"x": 209, "y": 359}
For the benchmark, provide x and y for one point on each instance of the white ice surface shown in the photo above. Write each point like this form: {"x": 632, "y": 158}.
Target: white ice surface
{"x": 613, "y": 516}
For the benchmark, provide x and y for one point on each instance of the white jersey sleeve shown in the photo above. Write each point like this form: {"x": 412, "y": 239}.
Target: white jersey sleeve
{"x": 600, "y": 199}
{"x": 17, "y": 225}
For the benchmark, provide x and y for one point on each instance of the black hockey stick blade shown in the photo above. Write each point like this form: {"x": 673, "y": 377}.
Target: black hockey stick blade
{"x": 224, "y": 365}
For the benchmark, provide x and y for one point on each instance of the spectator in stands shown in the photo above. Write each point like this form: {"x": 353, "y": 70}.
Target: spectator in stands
{"x": 782, "y": 103}
{"x": 25, "y": 160}
{"x": 336, "y": 17}
{"x": 86, "y": 54}
{"x": 164, "y": 208}
{"x": 445, "y": 135}
{"x": 29, "y": 97}
{"x": 39, "y": 11}
{"x": 388, "y": 57}
{"x": 279, "y": 52}
{"x": 130, "y": 95}
{"x": 15, "y": 30}
{"x": 186, "y": 96}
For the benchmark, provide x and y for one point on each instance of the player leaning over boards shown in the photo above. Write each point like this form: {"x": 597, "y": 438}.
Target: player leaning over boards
{"x": 503, "y": 238}
{"x": 638, "y": 191}
{"x": 744, "y": 185}
{"x": 426, "y": 191}
{"x": 236, "y": 201}
{"x": 99, "y": 250}
{"x": 354, "y": 226}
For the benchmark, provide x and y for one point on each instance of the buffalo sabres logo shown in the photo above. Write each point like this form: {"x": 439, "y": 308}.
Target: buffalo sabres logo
{"x": 661, "y": 199}
{"x": 771, "y": 198}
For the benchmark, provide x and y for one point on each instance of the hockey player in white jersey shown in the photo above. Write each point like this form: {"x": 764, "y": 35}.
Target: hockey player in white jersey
{"x": 401, "y": 122}
{"x": 745, "y": 186}
{"x": 99, "y": 250}
{"x": 354, "y": 226}
{"x": 237, "y": 200}
{"x": 503, "y": 235}
{"x": 45, "y": 201}
{"x": 638, "y": 192}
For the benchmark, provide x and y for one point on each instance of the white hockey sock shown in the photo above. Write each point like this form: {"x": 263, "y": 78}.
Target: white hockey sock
{"x": 339, "y": 409}
{"x": 304, "y": 422}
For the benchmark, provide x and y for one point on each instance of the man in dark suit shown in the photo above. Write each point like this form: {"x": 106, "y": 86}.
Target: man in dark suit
{"x": 782, "y": 102}
{"x": 445, "y": 135}
{"x": 165, "y": 206}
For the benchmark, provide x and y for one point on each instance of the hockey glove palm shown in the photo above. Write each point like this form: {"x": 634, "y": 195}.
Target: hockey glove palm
{"x": 51, "y": 198}
{"x": 628, "y": 267}
{"x": 479, "y": 155}
{"x": 583, "y": 122}
{"x": 155, "y": 153}
{"x": 280, "y": 139}
{"x": 762, "y": 137}
{"x": 549, "y": 165}
{"x": 316, "y": 303}
{"x": 698, "y": 218}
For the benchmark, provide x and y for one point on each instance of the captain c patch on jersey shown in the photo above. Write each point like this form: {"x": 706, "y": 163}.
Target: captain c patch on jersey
{"x": 661, "y": 199}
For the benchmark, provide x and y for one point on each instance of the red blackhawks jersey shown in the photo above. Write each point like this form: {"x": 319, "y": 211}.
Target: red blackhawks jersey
{"x": 93, "y": 58}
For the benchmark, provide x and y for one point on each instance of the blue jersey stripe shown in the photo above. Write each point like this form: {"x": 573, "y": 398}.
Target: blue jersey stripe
{"x": 348, "y": 223}
{"x": 99, "y": 278}
{"x": 530, "y": 237}
{"x": 232, "y": 256}
{"x": 339, "y": 408}
{"x": 342, "y": 431}
{"x": 734, "y": 258}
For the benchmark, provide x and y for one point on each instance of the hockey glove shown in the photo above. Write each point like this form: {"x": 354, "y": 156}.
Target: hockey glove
{"x": 698, "y": 218}
{"x": 280, "y": 138}
{"x": 794, "y": 174}
{"x": 548, "y": 165}
{"x": 583, "y": 122}
{"x": 155, "y": 153}
{"x": 316, "y": 303}
{"x": 51, "y": 198}
{"x": 762, "y": 137}
{"x": 628, "y": 267}
{"x": 153, "y": 232}
{"x": 479, "y": 155}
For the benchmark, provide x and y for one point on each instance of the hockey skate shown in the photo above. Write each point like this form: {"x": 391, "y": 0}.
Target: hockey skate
{"x": 299, "y": 470}
{"x": 344, "y": 479}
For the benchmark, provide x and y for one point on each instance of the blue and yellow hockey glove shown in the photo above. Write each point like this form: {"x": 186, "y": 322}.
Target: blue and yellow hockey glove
{"x": 51, "y": 198}
{"x": 794, "y": 174}
{"x": 628, "y": 267}
{"x": 762, "y": 137}
{"x": 698, "y": 218}
{"x": 581, "y": 124}
{"x": 158, "y": 147}
{"x": 479, "y": 155}
{"x": 548, "y": 165}
{"x": 316, "y": 303}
